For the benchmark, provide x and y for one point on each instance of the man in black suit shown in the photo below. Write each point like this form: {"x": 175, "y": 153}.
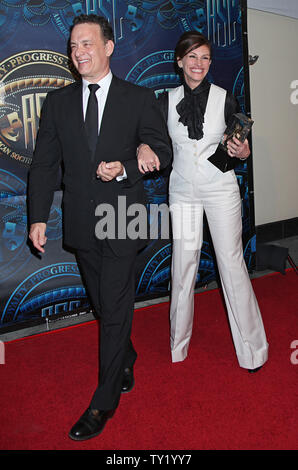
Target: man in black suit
{"x": 97, "y": 169}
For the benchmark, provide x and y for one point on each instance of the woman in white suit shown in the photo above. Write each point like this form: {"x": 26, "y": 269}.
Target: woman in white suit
{"x": 198, "y": 114}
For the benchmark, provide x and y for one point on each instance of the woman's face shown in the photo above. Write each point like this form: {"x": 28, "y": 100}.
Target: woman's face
{"x": 195, "y": 65}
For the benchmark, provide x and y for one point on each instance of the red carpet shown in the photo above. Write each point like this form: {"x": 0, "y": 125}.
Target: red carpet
{"x": 206, "y": 402}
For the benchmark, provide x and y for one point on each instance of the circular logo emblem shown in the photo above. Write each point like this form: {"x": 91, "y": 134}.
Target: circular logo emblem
{"x": 152, "y": 71}
{"x": 13, "y": 228}
{"x": 155, "y": 275}
{"x": 25, "y": 79}
{"x": 46, "y": 292}
{"x": 14, "y": 252}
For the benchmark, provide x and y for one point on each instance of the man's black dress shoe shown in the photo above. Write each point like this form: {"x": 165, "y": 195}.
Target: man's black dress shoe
{"x": 90, "y": 424}
{"x": 128, "y": 380}
{"x": 254, "y": 370}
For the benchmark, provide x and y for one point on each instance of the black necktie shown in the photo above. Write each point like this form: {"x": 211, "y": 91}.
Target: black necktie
{"x": 91, "y": 119}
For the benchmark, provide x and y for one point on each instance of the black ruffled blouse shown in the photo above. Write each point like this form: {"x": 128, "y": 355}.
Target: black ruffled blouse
{"x": 192, "y": 107}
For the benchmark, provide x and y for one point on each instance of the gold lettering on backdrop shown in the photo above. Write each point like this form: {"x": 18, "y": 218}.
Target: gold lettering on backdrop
{"x": 25, "y": 80}
{"x": 29, "y": 118}
{"x": 4, "y": 149}
{"x": 39, "y": 99}
{"x": 11, "y": 126}
{"x": 3, "y": 71}
{"x": 31, "y": 106}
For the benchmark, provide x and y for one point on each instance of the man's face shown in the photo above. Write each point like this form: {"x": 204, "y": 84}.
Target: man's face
{"x": 89, "y": 53}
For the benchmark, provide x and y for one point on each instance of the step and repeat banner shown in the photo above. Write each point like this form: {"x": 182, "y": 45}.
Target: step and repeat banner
{"x": 33, "y": 61}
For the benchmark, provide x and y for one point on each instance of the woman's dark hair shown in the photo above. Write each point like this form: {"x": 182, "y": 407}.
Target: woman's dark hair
{"x": 189, "y": 41}
{"x": 102, "y": 22}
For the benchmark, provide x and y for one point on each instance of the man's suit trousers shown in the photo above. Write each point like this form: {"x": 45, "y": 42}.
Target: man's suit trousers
{"x": 110, "y": 284}
{"x": 219, "y": 197}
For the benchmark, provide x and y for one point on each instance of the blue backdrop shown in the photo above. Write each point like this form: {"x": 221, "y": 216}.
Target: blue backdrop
{"x": 33, "y": 60}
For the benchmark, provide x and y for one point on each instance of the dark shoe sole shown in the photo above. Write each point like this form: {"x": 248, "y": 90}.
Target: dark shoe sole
{"x": 75, "y": 438}
{"x": 129, "y": 389}
{"x": 252, "y": 371}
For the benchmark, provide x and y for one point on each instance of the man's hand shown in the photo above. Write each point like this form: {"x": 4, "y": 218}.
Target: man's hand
{"x": 238, "y": 149}
{"x": 37, "y": 235}
{"x": 147, "y": 159}
{"x": 109, "y": 171}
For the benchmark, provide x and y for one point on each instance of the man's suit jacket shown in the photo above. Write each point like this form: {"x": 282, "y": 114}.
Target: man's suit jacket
{"x": 131, "y": 116}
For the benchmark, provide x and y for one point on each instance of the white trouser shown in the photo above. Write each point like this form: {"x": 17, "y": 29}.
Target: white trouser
{"x": 220, "y": 199}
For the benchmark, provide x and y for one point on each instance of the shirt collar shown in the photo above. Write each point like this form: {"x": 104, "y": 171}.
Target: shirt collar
{"x": 104, "y": 83}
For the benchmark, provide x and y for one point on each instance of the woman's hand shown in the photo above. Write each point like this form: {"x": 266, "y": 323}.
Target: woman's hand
{"x": 147, "y": 159}
{"x": 238, "y": 149}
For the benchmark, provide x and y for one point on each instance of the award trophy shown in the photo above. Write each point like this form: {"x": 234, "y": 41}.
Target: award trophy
{"x": 239, "y": 128}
